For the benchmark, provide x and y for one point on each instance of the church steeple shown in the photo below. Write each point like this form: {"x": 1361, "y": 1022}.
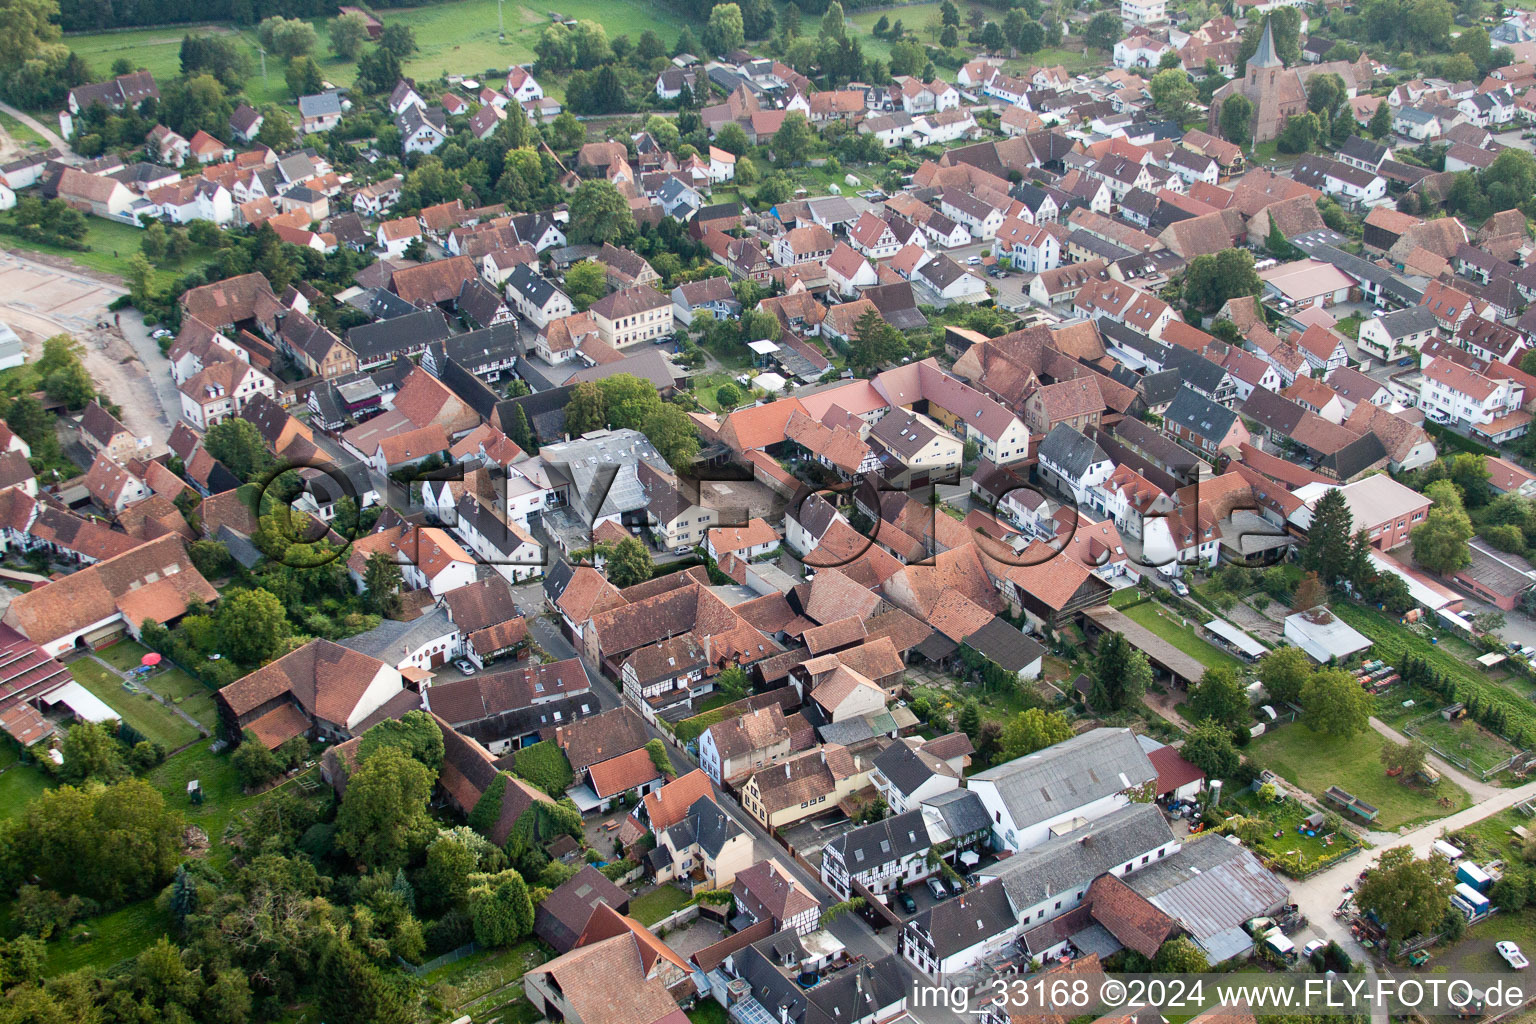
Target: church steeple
{"x": 1265, "y": 56}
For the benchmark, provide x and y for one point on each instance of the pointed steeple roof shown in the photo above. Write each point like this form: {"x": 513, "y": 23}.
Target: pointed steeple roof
{"x": 1265, "y": 56}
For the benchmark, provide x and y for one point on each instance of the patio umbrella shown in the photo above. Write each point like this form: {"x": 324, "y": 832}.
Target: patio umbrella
{"x": 150, "y": 659}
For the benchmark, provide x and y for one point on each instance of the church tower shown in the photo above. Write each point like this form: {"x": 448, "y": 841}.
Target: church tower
{"x": 1265, "y": 61}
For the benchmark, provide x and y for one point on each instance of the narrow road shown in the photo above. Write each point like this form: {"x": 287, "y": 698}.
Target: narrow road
{"x": 137, "y": 334}
{"x": 1478, "y": 789}
{"x": 1320, "y": 894}
{"x": 51, "y": 136}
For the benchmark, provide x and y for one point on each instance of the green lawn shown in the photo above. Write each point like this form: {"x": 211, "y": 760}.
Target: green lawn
{"x": 222, "y": 795}
{"x": 1291, "y": 851}
{"x": 158, "y": 50}
{"x": 23, "y": 135}
{"x": 111, "y": 245}
{"x": 1153, "y": 617}
{"x": 707, "y": 1011}
{"x": 138, "y": 710}
{"x": 1465, "y": 739}
{"x": 1314, "y": 762}
{"x": 123, "y": 655}
{"x": 113, "y": 937}
{"x": 20, "y": 784}
{"x": 657, "y": 904}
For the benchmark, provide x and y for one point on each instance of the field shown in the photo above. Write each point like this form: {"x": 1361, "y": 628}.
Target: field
{"x": 158, "y": 50}
{"x": 1150, "y": 615}
{"x": 138, "y": 710}
{"x": 1314, "y": 762}
{"x": 23, "y": 135}
{"x": 20, "y": 784}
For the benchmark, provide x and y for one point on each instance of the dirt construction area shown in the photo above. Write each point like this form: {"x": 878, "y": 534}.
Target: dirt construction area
{"x": 39, "y": 301}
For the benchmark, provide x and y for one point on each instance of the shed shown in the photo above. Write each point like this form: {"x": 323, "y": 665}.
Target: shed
{"x": 1236, "y": 638}
{"x": 1323, "y": 635}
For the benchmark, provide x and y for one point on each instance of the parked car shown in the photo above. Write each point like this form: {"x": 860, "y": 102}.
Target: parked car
{"x": 161, "y": 333}
{"x": 465, "y": 666}
{"x": 973, "y": 261}
{"x": 936, "y": 886}
{"x": 906, "y": 902}
{"x": 1316, "y": 945}
{"x": 1512, "y": 955}
{"x": 954, "y": 886}
{"x": 1179, "y": 587}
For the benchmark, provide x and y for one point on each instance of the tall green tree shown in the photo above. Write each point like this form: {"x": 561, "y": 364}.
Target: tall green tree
{"x": 1335, "y": 704}
{"x": 1209, "y": 748}
{"x": 1326, "y": 551}
{"x": 724, "y": 32}
{"x": 1213, "y": 278}
{"x": 586, "y": 410}
{"x": 1032, "y": 730}
{"x": 1284, "y": 671}
{"x": 354, "y": 991}
{"x": 1173, "y": 92}
{"x": 600, "y": 213}
{"x": 1121, "y": 674}
{"x": 792, "y": 142}
{"x": 1219, "y": 697}
{"x": 252, "y": 626}
{"x": 382, "y": 580}
{"x": 1440, "y": 543}
{"x": 383, "y": 820}
{"x": 238, "y": 445}
{"x": 629, "y": 563}
{"x": 1410, "y": 895}
{"x": 348, "y": 33}
{"x": 1381, "y": 121}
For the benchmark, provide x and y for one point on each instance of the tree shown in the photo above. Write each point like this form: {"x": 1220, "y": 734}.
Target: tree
{"x": 949, "y": 38}
{"x": 1335, "y": 704}
{"x": 348, "y": 33}
{"x": 70, "y": 384}
{"x": 949, "y": 14}
{"x": 1219, "y": 697}
{"x": 1381, "y": 121}
{"x": 1121, "y": 674}
{"x": 875, "y": 343}
{"x": 992, "y": 39}
{"x": 252, "y": 626}
{"x": 238, "y": 445}
{"x": 383, "y": 817}
{"x": 499, "y": 909}
{"x": 723, "y": 32}
{"x": 629, "y": 563}
{"x": 733, "y": 683}
{"x": 276, "y": 132}
{"x": 659, "y": 758}
{"x": 378, "y": 70}
{"x": 1325, "y": 93}
{"x": 792, "y": 142}
{"x": 91, "y": 751}
{"x": 1179, "y": 956}
{"x": 1406, "y": 758}
{"x": 1300, "y": 133}
{"x": 1469, "y": 472}
{"x": 1209, "y": 748}
{"x": 600, "y": 213}
{"x": 354, "y": 991}
{"x": 1440, "y": 542}
{"x": 1032, "y": 730}
{"x": 1284, "y": 672}
{"x": 727, "y": 396}
{"x": 111, "y": 844}
{"x": 833, "y": 25}
{"x": 1173, "y": 92}
{"x": 303, "y": 77}
{"x": 287, "y": 37}
{"x": 1103, "y": 31}
{"x": 382, "y": 580}
{"x": 1410, "y": 896}
{"x": 1213, "y": 278}
{"x": 586, "y": 410}
{"x": 672, "y": 433}
{"x": 153, "y": 244}
{"x": 1310, "y": 593}
{"x": 253, "y": 762}
{"x": 969, "y": 719}
{"x": 585, "y": 283}
{"x": 398, "y": 38}
{"x": 1326, "y": 551}
{"x": 27, "y": 29}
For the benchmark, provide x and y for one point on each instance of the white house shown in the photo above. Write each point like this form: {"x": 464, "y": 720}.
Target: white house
{"x": 1452, "y": 393}
{"x": 883, "y": 856}
{"x": 536, "y": 299}
{"x": 1027, "y": 247}
{"x": 1087, "y": 777}
{"x": 522, "y": 86}
{"x": 421, "y": 130}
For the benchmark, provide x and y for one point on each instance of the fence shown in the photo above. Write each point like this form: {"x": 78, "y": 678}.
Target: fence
{"x": 1413, "y": 731}
{"x": 447, "y": 958}
{"x": 676, "y": 919}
